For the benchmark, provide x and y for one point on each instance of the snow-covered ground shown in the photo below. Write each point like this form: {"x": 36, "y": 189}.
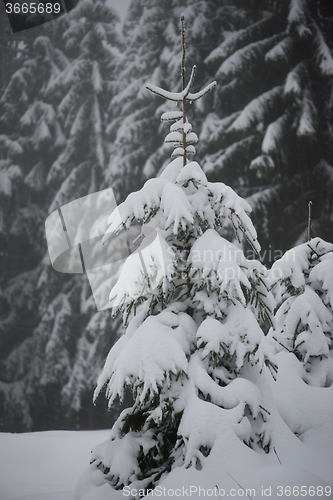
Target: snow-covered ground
{"x": 48, "y": 465}
{"x": 44, "y": 465}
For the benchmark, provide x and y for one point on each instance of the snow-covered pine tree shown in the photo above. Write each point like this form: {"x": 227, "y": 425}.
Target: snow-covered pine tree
{"x": 193, "y": 352}
{"x": 85, "y": 86}
{"x": 51, "y": 336}
{"x": 270, "y": 127}
{"x": 30, "y": 140}
{"x": 76, "y": 333}
{"x": 303, "y": 282}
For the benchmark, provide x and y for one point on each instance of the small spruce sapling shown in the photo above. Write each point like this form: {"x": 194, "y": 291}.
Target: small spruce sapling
{"x": 193, "y": 350}
{"x": 303, "y": 283}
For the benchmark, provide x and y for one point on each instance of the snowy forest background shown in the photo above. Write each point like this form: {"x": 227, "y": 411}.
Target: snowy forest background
{"x": 75, "y": 118}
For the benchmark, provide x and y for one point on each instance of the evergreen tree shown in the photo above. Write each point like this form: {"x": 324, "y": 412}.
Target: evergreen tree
{"x": 303, "y": 281}
{"x": 57, "y": 338}
{"x": 193, "y": 353}
{"x": 85, "y": 88}
{"x": 31, "y": 138}
{"x": 269, "y": 133}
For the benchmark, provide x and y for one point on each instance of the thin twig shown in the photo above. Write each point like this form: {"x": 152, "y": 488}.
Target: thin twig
{"x": 240, "y": 485}
{"x": 277, "y": 455}
{"x": 183, "y": 69}
{"x": 309, "y": 220}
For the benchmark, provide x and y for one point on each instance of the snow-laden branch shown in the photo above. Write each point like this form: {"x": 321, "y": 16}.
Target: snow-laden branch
{"x": 197, "y": 95}
{"x": 179, "y": 96}
{"x": 174, "y": 96}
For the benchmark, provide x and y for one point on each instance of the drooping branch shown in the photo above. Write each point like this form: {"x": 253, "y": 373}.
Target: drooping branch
{"x": 198, "y": 95}
{"x": 175, "y": 96}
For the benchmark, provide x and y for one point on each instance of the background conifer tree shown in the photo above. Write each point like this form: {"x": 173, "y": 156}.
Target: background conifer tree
{"x": 51, "y": 151}
{"x": 270, "y": 126}
{"x": 31, "y": 138}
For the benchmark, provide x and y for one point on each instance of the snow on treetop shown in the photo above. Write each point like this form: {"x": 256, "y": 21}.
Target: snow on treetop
{"x": 169, "y": 204}
{"x": 180, "y": 132}
{"x": 191, "y": 172}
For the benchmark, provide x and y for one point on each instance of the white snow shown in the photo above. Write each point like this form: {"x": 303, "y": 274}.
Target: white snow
{"x": 171, "y": 115}
{"x": 255, "y": 110}
{"x": 232, "y": 40}
{"x": 280, "y": 50}
{"x": 44, "y": 465}
{"x": 179, "y": 96}
{"x": 326, "y": 63}
{"x": 297, "y": 11}
{"x": 7, "y": 175}
{"x": 293, "y": 80}
{"x": 155, "y": 352}
{"x": 242, "y": 58}
{"x": 273, "y": 135}
{"x": 307, "y": 120}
